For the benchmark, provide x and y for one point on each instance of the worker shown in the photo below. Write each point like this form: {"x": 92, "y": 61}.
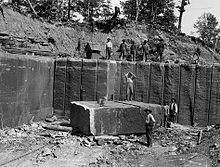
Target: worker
{"x": 150, "y": 123}
{"x": 109, "y": 49}
{"x": 133, "y": 50}
{"x": 145, "y": 48}
{"x": 196, "y": 55}
{"x": 129, "y": 86}
{"x": 78, "y": 48}
{"x": 166, "y": 116}
{"x": 173, "y": 109}
{"x": 160, "y": 49}
{"x": 88, "y": 51}
{"x": 123, "y": 50}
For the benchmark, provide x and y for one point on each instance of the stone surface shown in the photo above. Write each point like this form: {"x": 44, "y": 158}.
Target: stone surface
{"x": 26, "y": 89}
{"x": 113, "y": 118}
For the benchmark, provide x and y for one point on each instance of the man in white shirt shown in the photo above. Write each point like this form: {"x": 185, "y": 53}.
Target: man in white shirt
{"x": 150, "y": 123}
{"x": 173, "y": 110}
{"x": 109, "y": 48}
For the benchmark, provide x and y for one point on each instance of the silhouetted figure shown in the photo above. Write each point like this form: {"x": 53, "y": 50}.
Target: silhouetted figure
{"x": 133, "y": 50}
{"x": 117, "y": 12}
{"x": 78, "y": 48}
{"x": 196, "y": 55}
{"x": 160, "y": 49}
{"x": 145, "y": 48}
{"x": 123, "y": 50}
{"x": 150, "y": 123}
{"x": 88, "y": 51}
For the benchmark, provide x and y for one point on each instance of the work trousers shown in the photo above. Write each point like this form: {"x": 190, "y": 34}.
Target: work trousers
{"x": 108, "y": 53}
{"x": 122, "y": 55}
{"x": 145, "y": 56}
{"x": 149, "y": 130}
{"x": 172, "y": 118}
{"x": 130, "y": 92}
{"x": 133, "y": 55}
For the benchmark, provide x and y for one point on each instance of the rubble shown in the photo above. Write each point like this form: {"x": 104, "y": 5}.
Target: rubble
{"x": 44, "y": 145}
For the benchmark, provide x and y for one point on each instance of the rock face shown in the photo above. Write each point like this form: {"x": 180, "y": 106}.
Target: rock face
{"x": 195, "y": 87}
{"x": 26, "y": 89}
{"x": 113, "y": 118}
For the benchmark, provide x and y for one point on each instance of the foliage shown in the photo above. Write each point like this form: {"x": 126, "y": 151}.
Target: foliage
{"x": 152, "y": 11}
{"x": 89, "y": 8}
{"x": 206, "y": 26}
{"x": 105, "y": 9}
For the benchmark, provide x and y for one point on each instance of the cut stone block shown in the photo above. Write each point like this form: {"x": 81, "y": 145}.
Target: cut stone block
{"x": 112, "y": 119}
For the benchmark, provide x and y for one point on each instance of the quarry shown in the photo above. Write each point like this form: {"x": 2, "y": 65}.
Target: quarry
{"x": 59, "y": 109}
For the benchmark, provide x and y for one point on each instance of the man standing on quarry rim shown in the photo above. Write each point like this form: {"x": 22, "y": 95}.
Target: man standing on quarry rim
{"x": 109, "y": 48}
{"x": 150, "y": 123}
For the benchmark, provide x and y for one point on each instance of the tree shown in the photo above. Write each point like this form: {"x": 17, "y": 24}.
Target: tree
{"x": 105, "y": 9}
{"x": 182, "y": 10}
{"x": 89, "y": 8}
{"x": 151, "y": 11}
{"x": 206, "y": 26}
{"x": 138, "y": 2}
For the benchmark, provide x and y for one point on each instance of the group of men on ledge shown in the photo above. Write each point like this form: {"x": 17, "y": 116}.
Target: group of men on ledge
{"x": 136, "y": 52}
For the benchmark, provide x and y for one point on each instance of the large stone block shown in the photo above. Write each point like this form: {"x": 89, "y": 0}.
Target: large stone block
{"x": 113, "y": 118}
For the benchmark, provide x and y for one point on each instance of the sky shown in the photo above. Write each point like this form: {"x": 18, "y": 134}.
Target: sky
{"x": 193, "y": 11}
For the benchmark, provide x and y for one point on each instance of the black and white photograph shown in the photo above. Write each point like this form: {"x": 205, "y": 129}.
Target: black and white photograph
{"x": 109, "y": 83}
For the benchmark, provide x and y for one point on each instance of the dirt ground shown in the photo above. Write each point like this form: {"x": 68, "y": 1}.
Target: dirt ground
{"x": 34, "y": 145}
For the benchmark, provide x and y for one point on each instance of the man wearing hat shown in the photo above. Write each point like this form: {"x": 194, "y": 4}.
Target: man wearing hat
{"x": 145, "y": 48}
{"x": 109, "y": 49}
{"x": 123, "y": 50}
{"x": 149, "y": 124}
{"x": 160, "y": 49}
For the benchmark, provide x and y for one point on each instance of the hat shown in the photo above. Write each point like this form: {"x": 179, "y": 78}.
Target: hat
{"x": 108, "y": 39}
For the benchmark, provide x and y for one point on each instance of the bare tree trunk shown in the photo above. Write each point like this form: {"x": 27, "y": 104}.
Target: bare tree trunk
{"x": 88, "y": 11}
{"x": 32, "y": 7}
{"x": 137, "y": 9}
{"x": 69, "y": 4}
{"x": 181, "y": 10}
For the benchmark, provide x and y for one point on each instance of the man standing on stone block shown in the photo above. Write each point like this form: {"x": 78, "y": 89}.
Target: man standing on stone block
{"x": 150, "y": 123}
{"x": 130, "y": 85}
{"x": 173, "y": 110}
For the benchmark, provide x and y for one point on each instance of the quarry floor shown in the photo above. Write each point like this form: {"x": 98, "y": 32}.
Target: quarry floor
{"x": 32, "y": 145}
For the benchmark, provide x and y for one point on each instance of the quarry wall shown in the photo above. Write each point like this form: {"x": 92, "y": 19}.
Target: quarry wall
{"x": 195, "y": 87}
{"x": 26, "y": 89}
{"x": 31, "y": 87}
